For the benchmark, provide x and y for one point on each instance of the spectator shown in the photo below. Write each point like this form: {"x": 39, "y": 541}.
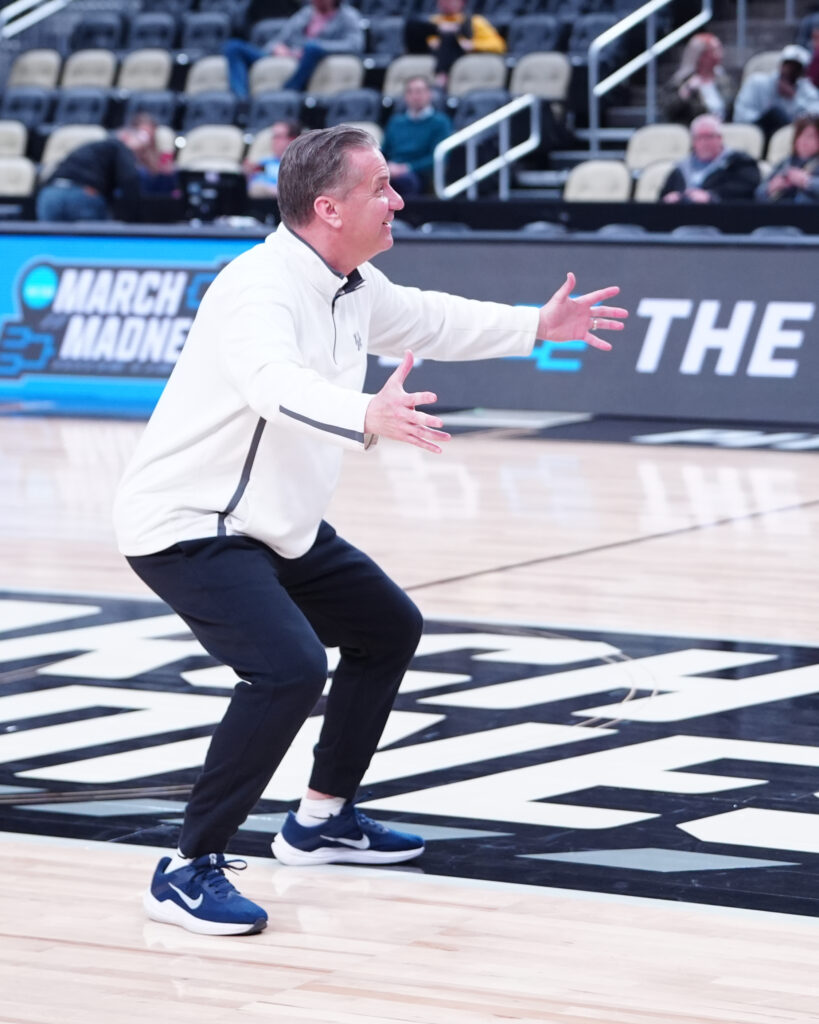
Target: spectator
{"x": 711, "y": 173}
{"x": 319, "y": 28}
{"x": 449, "y": 34}
{"x": 774, "y": 99}
{"x": 700, "y": 85}
{"x": 85, "y": 183}
{"x": 157, "y": 174}
{"x": 411, "y": 137}
{"x": 263, "y": 177}
{"x": 796, "y": 178}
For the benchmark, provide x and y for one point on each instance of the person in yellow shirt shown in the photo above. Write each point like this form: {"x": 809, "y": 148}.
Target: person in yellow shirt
{"x": 449, "y": 33}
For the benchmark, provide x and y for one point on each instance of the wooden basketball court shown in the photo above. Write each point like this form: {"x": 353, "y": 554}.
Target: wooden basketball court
{"x": 506, "y": 527}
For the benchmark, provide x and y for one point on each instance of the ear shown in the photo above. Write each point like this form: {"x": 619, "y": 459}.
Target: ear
{"x": 327, "y": 211}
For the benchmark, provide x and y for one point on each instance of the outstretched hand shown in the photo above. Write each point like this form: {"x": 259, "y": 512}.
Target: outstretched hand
{"x": 566, "y": 319}
{"x": 392, "y": 412}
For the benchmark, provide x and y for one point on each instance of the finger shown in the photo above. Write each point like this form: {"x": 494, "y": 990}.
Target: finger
{"x": 604, "y": 311}
{"x": 567, "y": 287}
{"x": 592, "y": 298}
{"x": 422, "y": 398}
{"x": 601, "y": 324}
{"x": 402, "y": 372}
{"x": 430, "y": 440}
{"x": 596, "y": 342}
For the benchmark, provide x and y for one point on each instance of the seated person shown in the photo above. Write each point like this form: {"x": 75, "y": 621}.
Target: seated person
{"x": 319, "y": 28}
{"x": 774, "y": 99}
{"x": 410, "y": 139}
{"x": 796, "y": 178}
{"x": 449, "y": 33}
{"x": 711, "y": 173}
{"x": 156, "y": 170}
{"x": 700, "y": 85}
{"x": 86, "y": 182}
{"x": 263, "y": 177}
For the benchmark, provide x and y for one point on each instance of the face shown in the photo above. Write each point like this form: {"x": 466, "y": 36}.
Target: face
{"x": 450, "y": 6}
{"x": 706, "y": 140}
{"x": 416, "y": 95}
{"x": 807, "y": 143}
{"x": 280, "y": 139}
{"x": 368, "y": 207}
{"x": 791, "y": 70}
{"x": 711, "y": 56}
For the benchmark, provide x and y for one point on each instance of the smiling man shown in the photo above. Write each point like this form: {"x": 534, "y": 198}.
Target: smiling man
{"x": 221, "y": 509}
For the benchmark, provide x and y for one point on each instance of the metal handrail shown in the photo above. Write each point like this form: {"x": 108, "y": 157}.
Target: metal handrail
{"x": 648, "y": 57}
{"x": 469, "y": 138}
{"x": 22, "y": 14}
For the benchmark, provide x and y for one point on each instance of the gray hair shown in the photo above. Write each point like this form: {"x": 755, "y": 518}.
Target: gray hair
{"x": 315, "y": 164}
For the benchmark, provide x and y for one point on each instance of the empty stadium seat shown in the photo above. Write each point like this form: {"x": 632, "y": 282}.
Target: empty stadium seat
{"x": 89, "y": 68}
{"x": 37, "y": 68}
{"x": 353, "y": 105}
{"x": 657, "y": 142}
{"x": 477, "y": 71}
{"x": 268, "y": 107}
{"x": 152, "y": 29}
{"x": 208, "y": 74}
{"x": 543, "y": 74}
{"x": 216, "y": 147}
{"x": 534, "y": 32}
{"x": 204, "y": 32}
{"x": 13, "y": 138}
{"x": 335, "y": 73}
{"x": 598, "y": 181}
{"x": 18, "y": 176}
{"x": 82, "y": 106}
{"x": 385, "y": 40}
{"x": 651, "y": 179}
{"x": 104, "y": 30}
{"x": 211, "y": 108}
{"x": 477, "y": 104}
{"x": 30, "y": 104}
{"x": 143, "y": 70}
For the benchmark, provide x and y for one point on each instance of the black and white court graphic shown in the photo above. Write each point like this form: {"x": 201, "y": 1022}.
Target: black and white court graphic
{"x": 668, "y": 767}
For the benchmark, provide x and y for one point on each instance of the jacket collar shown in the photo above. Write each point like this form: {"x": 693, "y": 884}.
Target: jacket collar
{"x": 312, "y": 266}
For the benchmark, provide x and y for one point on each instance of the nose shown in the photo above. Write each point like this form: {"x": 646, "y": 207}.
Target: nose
{"x": 396, "y": 202}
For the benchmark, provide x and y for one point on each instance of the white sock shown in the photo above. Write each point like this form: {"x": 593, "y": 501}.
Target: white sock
{"x": 177, "y": 861}
{"x": 314, "y": 811}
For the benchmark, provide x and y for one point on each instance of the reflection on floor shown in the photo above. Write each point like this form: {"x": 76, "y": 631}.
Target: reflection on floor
{"x": 669, "y": 767}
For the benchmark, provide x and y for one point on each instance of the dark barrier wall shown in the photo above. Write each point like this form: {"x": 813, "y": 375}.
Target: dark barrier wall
{"x": 94, "y": 322}
{"x": 716, "y": 329}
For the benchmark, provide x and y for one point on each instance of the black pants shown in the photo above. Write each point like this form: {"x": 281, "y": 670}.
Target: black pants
{"x": 269, "y": 618}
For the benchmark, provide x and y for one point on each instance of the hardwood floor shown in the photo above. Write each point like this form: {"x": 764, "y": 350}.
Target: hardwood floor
{"x": 501, "y": 528}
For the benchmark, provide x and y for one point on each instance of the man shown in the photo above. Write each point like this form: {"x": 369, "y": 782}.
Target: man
{"x": 775, "y": 99}
{"x": 410, "y": 139}
{"x": 221, "y": 509}
{"x": 449, "y": 33}
{"x": 263, "y": 177}
{"x": 319, "y": 28}
{"x": 86, "y": 182}
{"x": 711, "y": 173}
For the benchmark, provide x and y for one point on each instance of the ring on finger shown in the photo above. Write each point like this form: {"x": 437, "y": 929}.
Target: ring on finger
{"x": 594, "y": 323}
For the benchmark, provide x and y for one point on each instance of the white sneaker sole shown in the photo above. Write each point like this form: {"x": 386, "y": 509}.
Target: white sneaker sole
{"x": 293, "y": 856}
{"x": 169, "y": 912}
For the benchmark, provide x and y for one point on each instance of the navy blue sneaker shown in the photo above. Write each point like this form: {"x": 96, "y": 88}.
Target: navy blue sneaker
{"x": 200, "y": 898}
{"x": 349, "y": 837}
